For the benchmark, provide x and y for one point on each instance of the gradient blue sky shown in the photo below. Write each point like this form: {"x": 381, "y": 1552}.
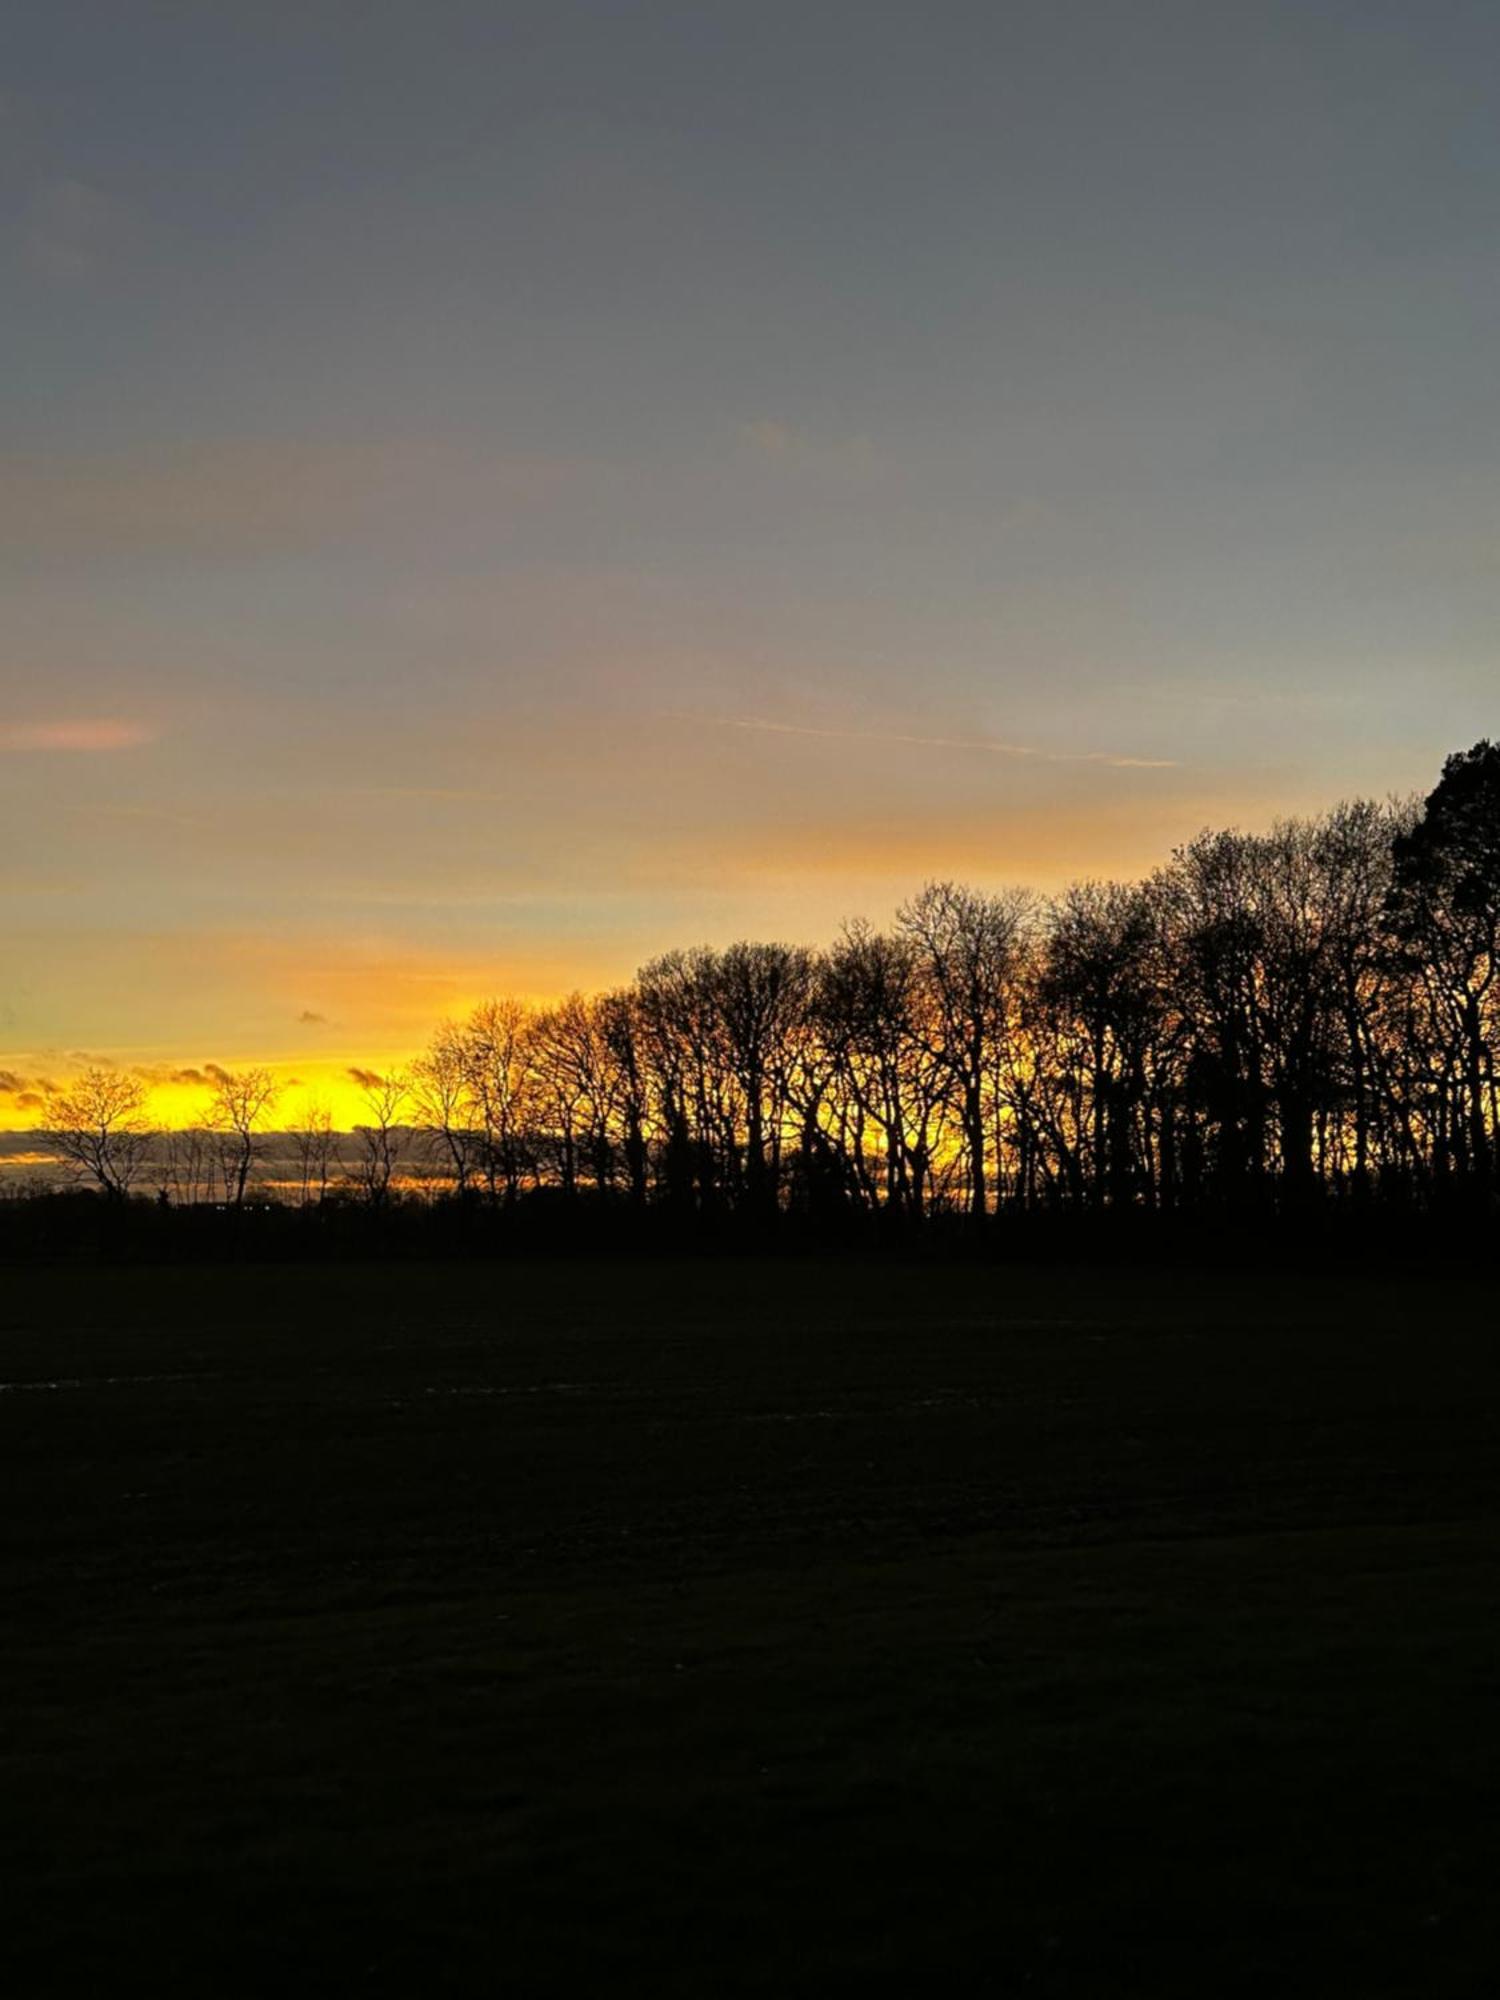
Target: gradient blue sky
{"x": 489, "y": 491}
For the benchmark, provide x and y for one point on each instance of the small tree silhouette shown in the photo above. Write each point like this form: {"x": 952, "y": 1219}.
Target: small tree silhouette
{"x": 240, "y": 1100}
{"x": 97, "y": 1125}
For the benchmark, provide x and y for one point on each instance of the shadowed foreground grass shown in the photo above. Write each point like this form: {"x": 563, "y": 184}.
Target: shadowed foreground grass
{"x": 712, "y": 1628}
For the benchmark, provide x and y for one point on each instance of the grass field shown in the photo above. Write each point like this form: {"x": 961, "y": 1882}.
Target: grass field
{"x": 726, "y": 1629}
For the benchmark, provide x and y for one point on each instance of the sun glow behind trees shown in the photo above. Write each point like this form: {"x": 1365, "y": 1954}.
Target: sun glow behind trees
{"x": 1316, "y": 1007}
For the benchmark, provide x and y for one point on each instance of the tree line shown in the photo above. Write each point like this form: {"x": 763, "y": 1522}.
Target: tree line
{"x": 1270, "y": 1020}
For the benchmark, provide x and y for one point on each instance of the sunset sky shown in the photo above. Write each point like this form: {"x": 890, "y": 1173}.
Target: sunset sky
{"x": 489, "y": 492}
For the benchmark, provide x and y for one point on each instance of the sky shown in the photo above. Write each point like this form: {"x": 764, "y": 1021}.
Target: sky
{"x": 489, "y": 492}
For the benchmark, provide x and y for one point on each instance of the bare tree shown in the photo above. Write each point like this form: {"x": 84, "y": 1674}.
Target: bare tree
{"x": 316, "y": 1146}
{"x": 444, "y": 1105}
{"x": 1096, "y": 1038}
{"x": 97, "y": 1125}
{"x": 562, "y": 1058}
{"x": 885, "y": 1103}
{"x": 971, "y": 951}
{"x": 186, "y": 1162}
{"x": 761, "y": 996}
{"x": 1444, "y": 909}
{"x": 238, "y": 1102}
{"x": 496, "y": 1058}
{"x": 1271, "y": 1018}
{"x": 380, "y": 1139}
{"x": 622, "y": 1050}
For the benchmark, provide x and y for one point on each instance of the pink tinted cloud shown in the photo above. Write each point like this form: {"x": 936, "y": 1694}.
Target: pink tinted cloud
{"x": 87, "y": 733}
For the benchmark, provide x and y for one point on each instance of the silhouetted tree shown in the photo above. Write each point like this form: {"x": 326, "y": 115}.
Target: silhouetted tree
{"x": 97, "y": 1125}
{"x": 239, "y": 1101}
{"x": 1101, "y": 986}
{"x": 627, "y": 1108}
{"x": 1295, "y": 1017}
{"x": 496, "y": 1057}
{"x": 316, "y": 1146}
{"x": 971, "y": 950}
{"x": 885, "y": 1103}
{"x": 1444, "y": 911}
{"x": 380, "y": 1137}
{"x": 444, "y": 1102}
{"x": 187, "y": 1165}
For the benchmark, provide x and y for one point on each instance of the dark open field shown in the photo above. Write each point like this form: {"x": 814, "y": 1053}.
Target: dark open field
{"x": 715, "y": 1628}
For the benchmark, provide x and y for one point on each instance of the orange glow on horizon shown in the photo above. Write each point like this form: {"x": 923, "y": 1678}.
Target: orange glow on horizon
{"x": 314, "y": 1007}
{"x": 181, "y": 1100}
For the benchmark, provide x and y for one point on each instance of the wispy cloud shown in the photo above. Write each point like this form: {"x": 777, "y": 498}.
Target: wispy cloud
{"x": 460, "y": 794}
{"x": 249, "y": 497}
{"x": 87, "y": 733}
{"x": 989, "y": 745}
{"x": 149, "y": 817}
{"x": 24, "y": 1093}
{"x": 28, "y": 1091}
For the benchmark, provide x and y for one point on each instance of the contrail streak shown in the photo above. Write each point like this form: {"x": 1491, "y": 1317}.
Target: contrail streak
{"x": 994, "y": 746}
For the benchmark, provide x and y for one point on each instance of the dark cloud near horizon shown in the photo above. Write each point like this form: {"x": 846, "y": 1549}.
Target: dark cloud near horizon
{"x": 30, "y": 1092}
{"x": 27, "y": 1146}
